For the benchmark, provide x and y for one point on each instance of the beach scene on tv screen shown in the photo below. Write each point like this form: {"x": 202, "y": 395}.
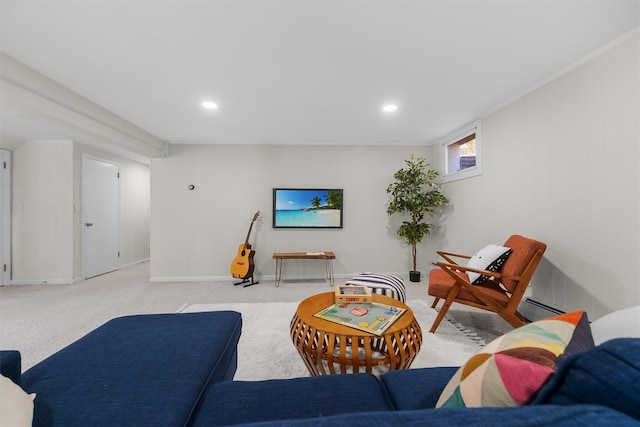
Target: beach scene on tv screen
{"x": 307, "y": 208}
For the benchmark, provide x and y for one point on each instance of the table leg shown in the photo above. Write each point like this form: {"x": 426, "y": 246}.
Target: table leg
{"x": 329, "y": 269}
{"x": 278, "y": 271}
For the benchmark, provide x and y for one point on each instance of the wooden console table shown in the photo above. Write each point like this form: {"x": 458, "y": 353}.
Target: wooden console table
{"x": 327, "y": 256}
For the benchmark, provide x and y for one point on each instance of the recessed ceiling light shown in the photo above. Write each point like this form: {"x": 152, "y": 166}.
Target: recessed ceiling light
{"x": 389, "y": 108}
{"x": 210, "y": 105}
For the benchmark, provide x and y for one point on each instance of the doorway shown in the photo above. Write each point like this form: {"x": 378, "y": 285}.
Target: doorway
{"x": 100, "y": 216}
{"x": 5, "y": 217}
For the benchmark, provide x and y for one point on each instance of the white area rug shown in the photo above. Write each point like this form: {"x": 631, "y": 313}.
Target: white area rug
{"x": 265, "y": 350}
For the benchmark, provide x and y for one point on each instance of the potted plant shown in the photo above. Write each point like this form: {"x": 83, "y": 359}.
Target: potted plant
{"x": 415, "y": 193}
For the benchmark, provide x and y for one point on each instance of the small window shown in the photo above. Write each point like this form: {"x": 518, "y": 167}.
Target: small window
{"x": 461, "y": 154}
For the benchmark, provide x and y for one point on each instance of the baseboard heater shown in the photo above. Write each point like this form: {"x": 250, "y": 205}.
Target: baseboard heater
{"x": 535, "y": 310}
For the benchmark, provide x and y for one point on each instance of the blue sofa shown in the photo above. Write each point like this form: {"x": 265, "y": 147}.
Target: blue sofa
{"x": 176, "y": 369}
{"x": 145, "y": 370}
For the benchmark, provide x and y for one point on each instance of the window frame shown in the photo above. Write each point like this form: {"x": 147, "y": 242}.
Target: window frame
{"x": 454, "y": 138}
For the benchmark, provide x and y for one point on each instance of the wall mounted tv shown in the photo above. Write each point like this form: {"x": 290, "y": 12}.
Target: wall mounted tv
{"x": 307, "y": 208}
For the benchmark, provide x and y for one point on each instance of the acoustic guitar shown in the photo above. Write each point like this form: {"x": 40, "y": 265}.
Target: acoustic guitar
{"x": 242, "y": 265}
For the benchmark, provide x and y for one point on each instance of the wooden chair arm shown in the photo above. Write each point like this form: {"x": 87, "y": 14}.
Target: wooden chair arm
{"x": 447, "y": 255}
{"x": 443, "y": 253}
{"x": 464, "y": 269}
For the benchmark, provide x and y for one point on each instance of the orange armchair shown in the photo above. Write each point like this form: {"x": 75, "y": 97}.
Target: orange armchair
{"x": 503, "y": 290}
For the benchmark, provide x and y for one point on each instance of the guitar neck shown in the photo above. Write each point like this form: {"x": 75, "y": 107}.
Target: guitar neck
{"x": 246, "y": 241}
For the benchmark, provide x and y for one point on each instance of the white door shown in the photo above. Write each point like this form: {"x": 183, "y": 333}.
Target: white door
{"x": 5, "y": 217}
{"x": 100, "y": 218}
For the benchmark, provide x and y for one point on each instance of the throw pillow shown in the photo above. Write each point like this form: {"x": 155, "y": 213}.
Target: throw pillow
{"x": 490, "y": 258}
{"x": 16, "y": 406}
{"x": 510, "y": 370}
{"x": 623, "y": 323}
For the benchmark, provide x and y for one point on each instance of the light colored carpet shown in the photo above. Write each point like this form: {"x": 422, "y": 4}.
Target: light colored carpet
{"x": 39, "y": 320}
{"x": 265, "y": 350}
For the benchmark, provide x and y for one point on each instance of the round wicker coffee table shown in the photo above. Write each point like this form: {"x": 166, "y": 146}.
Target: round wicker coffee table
{"x": 330, "y": 348}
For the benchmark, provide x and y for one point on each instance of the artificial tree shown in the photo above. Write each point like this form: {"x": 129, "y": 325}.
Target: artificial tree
{"x": 415, "y": 193}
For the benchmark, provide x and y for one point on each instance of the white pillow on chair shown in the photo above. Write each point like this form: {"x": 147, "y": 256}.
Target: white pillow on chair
{"x": 490, "y": 258}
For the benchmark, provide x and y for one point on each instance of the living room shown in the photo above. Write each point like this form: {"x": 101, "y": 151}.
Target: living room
{"x": 551, "y": 91}
{"x": 559, "y": 163}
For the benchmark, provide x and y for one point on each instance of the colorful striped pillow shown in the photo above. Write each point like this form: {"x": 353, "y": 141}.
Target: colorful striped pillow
{"x": 510, "y": 370}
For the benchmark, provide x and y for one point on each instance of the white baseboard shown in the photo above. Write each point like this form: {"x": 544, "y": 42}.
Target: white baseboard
{"x": 131, "y": 264}
{"x": 267, "y": 277}
{"x": 190, "y": 279}
{"x": 44, "y": 282}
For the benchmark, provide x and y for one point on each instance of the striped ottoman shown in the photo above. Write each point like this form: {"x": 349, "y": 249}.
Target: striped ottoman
{"x": 383, "y": 284}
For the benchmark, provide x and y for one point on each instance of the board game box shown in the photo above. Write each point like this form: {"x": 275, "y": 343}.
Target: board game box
{"x": 374, "y": 318}
{"x": 353, "y": 294}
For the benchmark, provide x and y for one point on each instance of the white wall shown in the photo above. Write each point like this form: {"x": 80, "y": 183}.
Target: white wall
{"x": 195, "y": 234}
{"x": 47, "y": 216}
{"x": 42, "y": 221}
{"x": 561, "y": 166}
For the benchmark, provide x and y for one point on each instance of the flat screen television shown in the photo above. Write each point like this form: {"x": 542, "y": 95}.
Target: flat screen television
{"x": 307, "y": 208}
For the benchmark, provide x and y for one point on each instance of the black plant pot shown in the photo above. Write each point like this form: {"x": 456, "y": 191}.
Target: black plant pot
{"x": 414, "y": 276}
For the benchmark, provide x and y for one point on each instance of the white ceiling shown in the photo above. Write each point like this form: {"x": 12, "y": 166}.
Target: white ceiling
{"x": 305, "y": 71}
